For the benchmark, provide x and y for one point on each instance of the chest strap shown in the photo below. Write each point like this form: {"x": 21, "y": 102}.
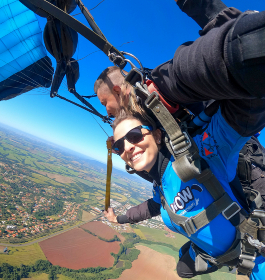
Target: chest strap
{"x": 223, "y": 204}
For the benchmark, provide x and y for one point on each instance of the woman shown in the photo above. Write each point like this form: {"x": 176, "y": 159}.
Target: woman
{"x": 141, "y": 146}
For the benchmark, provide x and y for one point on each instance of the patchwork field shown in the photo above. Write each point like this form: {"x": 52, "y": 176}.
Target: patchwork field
{"x": 56, "y": 177}
{"x": 151, "y": 265}
{"x": 78, "y": 249}
{"x": 101, "y": 230}
{"x": 139, "y": 233}
{"x": 44, "y": 276}
{"x": 157, "y": 235}
{"x": 163, "y": 250}
{"x": 86, "y": 216}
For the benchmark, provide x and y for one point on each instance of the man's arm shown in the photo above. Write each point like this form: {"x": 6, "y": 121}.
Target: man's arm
{"x": 208, "y": 14}
{"x": 143, "y": 211}
{"x": 225, "y": 64}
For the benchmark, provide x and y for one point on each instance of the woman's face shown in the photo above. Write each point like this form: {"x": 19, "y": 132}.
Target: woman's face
{"x": 140, "y": 156}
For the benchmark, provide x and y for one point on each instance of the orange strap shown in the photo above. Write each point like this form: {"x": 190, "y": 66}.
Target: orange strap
{"x": 153, "y": 87}
{"x": 109, "y": 170}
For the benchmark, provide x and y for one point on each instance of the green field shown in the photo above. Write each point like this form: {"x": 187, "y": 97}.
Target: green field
{"x": 44, "y": 276}
{"x": 26, "y": 255}
{"x": 157, "y": 235}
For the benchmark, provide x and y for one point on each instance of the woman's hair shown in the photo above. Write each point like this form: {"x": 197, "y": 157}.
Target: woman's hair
{"x": 129, "y": 114}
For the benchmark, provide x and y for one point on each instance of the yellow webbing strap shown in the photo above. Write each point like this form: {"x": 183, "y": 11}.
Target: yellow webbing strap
{"x": 109, "y": 170}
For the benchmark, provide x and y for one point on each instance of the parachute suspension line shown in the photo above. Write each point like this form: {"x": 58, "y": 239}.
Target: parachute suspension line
{"x": 46, "y": 93}
{"x": 99, "y": 124}
{"x": 85, "y": 56}
{"x": 89, "y": 96}
{"x": 108, "y": 179}
{"x": 96, "y": 5}
{"x": 40, "y": 75}
{"x": 72, "y": 102}
{"x": 18, "y": 34}
{"x": 90, "y": 18}
{"x": 29, "y": 79}
{"x": 26, "y": 84}
{"x": 89, "y": 9}
{"x": 64, "y": 82}
{"x": 100, "y": 50}
{"x": 92, "y": 111}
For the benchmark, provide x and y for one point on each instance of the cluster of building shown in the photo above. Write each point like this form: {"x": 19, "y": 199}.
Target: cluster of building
{"x": 26, "y": 209}
{"x": 31, "y": 226}
{"x": 120, "y": 209}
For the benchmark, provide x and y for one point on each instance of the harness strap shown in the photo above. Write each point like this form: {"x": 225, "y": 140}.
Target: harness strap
{"x": 253, "y": 197}
{"x": 153, "y": 87}
{"x": 109, "y": 170}
{"x": 80, "y": 28}
{"x": 182, "y": 147}
{"x": 208, "y": 179}
{"x": 193, "y": 224}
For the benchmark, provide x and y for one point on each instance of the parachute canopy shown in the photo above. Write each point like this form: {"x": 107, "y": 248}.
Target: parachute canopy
{"x": 24, "y": 64}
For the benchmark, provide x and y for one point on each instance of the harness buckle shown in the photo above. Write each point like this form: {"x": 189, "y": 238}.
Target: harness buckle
{"x": 189, "y": 226}
{"x": 188, "y": 144}
{"x": 231, "y": 210}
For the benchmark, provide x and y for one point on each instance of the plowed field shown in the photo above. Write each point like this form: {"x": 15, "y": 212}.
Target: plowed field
{"x": 151, "y": 265}
{"x": 102, "y": 230}
{"x": 78, "y": 249}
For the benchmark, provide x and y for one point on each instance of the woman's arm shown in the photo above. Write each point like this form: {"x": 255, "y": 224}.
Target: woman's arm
{"x": 143, "y": 211}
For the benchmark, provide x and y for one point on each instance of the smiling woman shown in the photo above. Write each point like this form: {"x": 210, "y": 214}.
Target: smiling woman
{"x": 189, "y": 208}
{"x": 136, "y": 141}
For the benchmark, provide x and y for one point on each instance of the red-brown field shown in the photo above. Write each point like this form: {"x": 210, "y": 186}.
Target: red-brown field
{"x": 102, "y": 230}
{"x": 78, "y": 249}
{"x": 151, "y": 265}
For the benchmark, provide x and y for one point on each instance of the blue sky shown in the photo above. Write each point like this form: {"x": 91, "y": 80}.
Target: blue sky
{"x": 154, "y": 28}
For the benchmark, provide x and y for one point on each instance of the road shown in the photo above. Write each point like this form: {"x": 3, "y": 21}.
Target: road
{"x": 49, "y": 236}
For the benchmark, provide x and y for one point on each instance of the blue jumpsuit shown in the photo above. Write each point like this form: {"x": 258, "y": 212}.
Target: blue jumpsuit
{"x": 219, "y": 144}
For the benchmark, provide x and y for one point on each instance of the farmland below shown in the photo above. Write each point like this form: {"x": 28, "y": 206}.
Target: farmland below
{"x": 45, "y": 188}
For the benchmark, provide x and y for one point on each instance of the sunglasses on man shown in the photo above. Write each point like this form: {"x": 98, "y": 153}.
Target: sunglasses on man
{"x": 133, "y": 136}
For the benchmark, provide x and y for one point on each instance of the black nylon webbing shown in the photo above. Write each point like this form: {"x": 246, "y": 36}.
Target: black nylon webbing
{"x": 90, "y": 35}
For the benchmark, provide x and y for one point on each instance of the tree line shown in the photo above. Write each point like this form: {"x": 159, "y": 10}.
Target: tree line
{"x": 115, "y": 238}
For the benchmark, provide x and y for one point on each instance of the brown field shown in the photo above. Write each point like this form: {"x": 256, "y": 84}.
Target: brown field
{"x": 56, "y": 177}
{"x": 86, "y": 216}
{"x": 2, "y": 249}
{"x": 78, "y": 249}
{"x": 102, "y": 230}
{"x": 241, "y": 277}
{"x": 151, "y": 265}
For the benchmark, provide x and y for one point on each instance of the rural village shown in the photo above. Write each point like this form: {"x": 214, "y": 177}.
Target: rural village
{"x": 28, "y": 210}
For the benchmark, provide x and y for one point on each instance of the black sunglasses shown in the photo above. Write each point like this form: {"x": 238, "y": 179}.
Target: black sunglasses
{"x": 133, "y": 136}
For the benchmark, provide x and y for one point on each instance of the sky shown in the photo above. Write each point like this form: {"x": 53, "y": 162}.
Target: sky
{"x": 154, "y": 30}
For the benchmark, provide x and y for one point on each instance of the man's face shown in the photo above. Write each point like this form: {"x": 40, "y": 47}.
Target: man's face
{"x": 109, "y": 100}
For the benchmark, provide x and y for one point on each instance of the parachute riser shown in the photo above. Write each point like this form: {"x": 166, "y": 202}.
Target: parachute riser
{"x": 136, "y": 77}
{"x": 89, "y": 18}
